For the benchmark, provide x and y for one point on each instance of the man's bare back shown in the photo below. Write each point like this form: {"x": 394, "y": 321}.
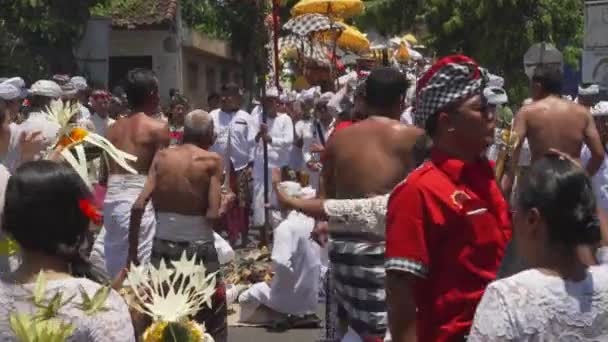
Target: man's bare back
{"x": 555, "y": 123}
{"x": 184, "y": 176}
{"x": 369, "y": 158}
{"x": 141, "y": 136}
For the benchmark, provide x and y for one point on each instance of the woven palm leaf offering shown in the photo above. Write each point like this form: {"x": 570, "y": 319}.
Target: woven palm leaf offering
{"x": 171, "y": 297}
{"x": 77, "y": 145}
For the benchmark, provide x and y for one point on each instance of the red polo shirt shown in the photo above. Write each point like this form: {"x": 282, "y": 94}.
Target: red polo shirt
{"x": 449, "y": 225}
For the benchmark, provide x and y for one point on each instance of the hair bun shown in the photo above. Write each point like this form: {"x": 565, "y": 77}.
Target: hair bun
{"x": 590, "y": 232}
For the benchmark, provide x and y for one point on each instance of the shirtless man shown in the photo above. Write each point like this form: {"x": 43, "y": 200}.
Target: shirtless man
{"x": 142, "y": 136}
{"x": 363, "y": 160}
{"x": 551, "y": 122}
{"x": 185, "y": 185}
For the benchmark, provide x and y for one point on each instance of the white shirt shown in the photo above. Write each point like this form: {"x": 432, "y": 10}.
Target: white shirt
{"x": 85, "y": 113}
{"x": 311, "y": 137}
{"x": 531, "y": 306}
{"x": 297, "y": 159}
{"x": 101, "y": 124}
{"x": 599, "y": 180}
{"x": 241, "y": 132}
{"x": 36, "y": 121}
{"x": 280, "y": 129}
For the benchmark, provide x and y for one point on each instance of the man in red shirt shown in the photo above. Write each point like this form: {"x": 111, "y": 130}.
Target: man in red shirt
{"x": 447, "y": 223}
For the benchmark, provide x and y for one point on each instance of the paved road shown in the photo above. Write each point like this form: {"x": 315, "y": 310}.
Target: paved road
{"x": 261, "y": 335}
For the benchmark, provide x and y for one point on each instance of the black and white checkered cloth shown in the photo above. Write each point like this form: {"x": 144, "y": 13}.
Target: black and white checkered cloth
{"x": 312, "y": 50}
{"x": 449, "y": 80}
{"x": 305, "y": 24}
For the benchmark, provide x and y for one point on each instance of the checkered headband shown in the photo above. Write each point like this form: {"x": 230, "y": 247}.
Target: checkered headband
{"x": 448, "y": 81}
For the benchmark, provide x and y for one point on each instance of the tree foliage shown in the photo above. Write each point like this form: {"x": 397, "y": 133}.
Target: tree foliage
{"x": 40, "y": 35}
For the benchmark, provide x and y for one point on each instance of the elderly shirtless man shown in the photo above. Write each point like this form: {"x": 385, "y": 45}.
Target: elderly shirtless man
{"x": 361, "y": 161}
{"x": 185, "y": 185}
{"x": 142, "y": 136}
{"x": 551, "y": 122}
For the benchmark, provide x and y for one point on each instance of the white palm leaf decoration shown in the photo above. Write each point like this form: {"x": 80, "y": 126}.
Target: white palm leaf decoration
{"x": 171, "y": 295}
{"x": 70, "y": 136}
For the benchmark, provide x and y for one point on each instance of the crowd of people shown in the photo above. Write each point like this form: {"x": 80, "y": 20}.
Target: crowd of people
{"x": 413, "y": 236}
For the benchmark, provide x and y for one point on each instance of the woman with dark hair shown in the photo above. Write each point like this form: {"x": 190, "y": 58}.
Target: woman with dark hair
{"x": 559, "y": 297}
{"x": 47, "y": 212}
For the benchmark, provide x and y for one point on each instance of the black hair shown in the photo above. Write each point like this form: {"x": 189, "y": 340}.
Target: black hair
{"x": 37, "y": 101}
{"x": 140, "y": 83}
{"x": 178, "y": 99}
{"x": 385, "y": 87}
{"x": 549, "y": 77}
{"x": 213, "y": 96}
{"x": 563, "y": 194}
{"x": 42, "y": 212}
{"x": 231, "y": 89}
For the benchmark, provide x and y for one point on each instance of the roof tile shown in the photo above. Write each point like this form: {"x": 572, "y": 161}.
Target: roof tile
{"x": 146, "y": 13}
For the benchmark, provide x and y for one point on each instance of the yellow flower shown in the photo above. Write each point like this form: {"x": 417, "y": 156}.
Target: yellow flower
{"x": 154, "y": 333}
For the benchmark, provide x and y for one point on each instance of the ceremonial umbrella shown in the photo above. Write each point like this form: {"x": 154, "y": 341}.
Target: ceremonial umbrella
{"x": 333, "y": 8}
{"x": 349, "y": 38}
{"x": 305, "y": 24}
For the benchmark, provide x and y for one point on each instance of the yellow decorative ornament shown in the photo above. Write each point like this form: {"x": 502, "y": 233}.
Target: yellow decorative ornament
{"x": 334, "y": 8}
{"x": 403, "y": 54}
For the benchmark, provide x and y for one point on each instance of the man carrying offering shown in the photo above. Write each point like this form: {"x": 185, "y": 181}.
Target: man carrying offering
{"x": 142, "y": 136}
{"x": 184, "y": 184}
{"x": 447, "y": 222}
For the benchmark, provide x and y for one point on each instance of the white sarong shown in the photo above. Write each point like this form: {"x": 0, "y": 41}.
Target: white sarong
{"x": 123, "y": 190}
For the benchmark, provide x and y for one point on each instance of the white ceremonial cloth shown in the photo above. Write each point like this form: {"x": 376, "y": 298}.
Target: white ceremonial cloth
{"x": 280, "y": 130}
{"x": 183, "y": 228}
{"x": 123, "y": 190}
{"x": 296, "y": 261}
{"x": 238, "y": 125}
{"x": 599, "y": 180}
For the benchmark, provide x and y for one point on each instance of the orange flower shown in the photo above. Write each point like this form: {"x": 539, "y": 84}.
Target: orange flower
{"x": 76, "y": 135}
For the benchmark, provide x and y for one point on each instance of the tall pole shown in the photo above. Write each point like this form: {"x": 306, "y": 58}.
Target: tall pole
{"x": 275, "y": 38}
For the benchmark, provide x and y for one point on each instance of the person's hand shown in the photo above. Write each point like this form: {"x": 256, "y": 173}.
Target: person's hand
{"x": 30, "y": 145}
{"x": 317, "y": 148}
{"x": 313, "y": 166}
{"x": 564, "y": 155}
{"x": 320, "y": 233}
{"x": 118, "y": 282}
{"x": 267, "y": 139}
{"x": 263, "y": 129}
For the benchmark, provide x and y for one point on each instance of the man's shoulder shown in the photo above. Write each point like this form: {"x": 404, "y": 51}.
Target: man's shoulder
{"x": 418, "y": 179}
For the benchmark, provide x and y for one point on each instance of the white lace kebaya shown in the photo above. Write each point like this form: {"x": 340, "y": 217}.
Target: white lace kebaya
{"x": 534, "y": 307}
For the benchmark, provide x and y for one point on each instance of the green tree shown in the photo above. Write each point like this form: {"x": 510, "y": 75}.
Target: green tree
{"x": 40, "y": 35}
{"x": 497, "y": 33}
{"x": 391, "y": 17}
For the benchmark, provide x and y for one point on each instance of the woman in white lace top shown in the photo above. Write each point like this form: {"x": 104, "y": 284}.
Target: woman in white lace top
{"x": 559, "y": 298}
{"x": 46, "y": 212}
